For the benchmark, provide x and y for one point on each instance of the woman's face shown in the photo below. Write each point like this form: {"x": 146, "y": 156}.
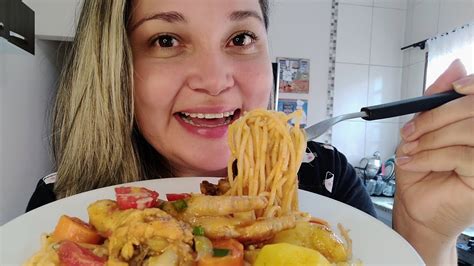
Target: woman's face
{"x": 198, "y": 66}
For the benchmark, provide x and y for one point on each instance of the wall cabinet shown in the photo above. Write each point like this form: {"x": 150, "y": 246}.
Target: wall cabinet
{"x": 55, "y": 19}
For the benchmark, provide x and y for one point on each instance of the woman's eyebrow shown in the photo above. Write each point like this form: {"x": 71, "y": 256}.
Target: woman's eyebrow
{"x": 171, "y": 17}
{"x": 244, "y": 14}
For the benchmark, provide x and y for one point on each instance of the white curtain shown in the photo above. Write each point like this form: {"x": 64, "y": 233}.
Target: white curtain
{"x": 445, "y": 48}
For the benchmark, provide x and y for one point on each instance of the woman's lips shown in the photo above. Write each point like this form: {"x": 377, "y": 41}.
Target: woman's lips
{"x": 208, "y": 125}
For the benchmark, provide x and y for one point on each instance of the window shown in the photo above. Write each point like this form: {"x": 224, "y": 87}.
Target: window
{"x": 446, "y": 48}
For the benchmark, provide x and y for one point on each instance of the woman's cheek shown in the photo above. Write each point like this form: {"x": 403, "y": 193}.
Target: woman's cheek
{"x": 256, "y": 81}
{"x": 155, "y": 81}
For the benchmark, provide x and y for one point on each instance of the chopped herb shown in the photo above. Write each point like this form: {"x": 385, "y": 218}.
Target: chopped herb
{"x": 198, "y": 231}
{"x": 220, "y": 252}
{"x": 161, "y": 204}
{"x": 180, "y": 205}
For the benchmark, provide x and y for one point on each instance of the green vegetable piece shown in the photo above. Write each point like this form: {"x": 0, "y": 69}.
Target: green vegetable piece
{"x": 180, "y": 205}
{"x": 220, "y": 252}
{"x": 198, "y": 231}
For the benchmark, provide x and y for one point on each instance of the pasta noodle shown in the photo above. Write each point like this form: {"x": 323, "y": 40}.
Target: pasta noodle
{"x": 268, "y": 152}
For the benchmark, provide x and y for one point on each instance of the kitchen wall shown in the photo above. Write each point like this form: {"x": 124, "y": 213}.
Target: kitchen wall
{"x": 300, "y": 29}
{"x": 369, "y": 65}
{"x": 426, "y": 19}
{"x": 27, "y": 85}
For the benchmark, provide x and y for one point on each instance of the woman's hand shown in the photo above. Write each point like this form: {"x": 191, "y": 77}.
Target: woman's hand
{"x": 434, "y": 200}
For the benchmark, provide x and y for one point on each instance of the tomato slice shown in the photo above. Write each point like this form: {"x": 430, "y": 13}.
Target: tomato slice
{"x": 174, "y": 197}
{"x": 74, "y": 229}
{"x": 235, "y": 255}
{"x": 71, "y": 254}
{"x": 135, "y": 198}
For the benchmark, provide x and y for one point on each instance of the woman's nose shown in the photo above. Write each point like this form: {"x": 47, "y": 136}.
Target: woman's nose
{"x": 211, "y": 73}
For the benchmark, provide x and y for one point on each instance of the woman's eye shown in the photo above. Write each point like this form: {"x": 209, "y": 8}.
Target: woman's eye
{"x": 165, "y": 41}
{"x": 243, "y": 39}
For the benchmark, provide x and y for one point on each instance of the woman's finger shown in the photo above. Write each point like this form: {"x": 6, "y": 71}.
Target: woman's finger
{"x": 454, "y": 72}
{"x": 465, "y": 85}
{"x": 454, "y": 158}
{"x": 451, "y": 112}
{"x": 455, "y": 134}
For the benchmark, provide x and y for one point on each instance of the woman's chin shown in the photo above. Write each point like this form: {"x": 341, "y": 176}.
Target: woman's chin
{"x": 200, "y": 166}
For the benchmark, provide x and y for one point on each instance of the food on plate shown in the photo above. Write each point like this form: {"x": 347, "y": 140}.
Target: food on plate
{"x": 138, "y": 234}
{"x": 76, "y": 230}
{"x": 249, "y": 218}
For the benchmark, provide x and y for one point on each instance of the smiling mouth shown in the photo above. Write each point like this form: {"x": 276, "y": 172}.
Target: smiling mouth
{"x": 209, "y": 120}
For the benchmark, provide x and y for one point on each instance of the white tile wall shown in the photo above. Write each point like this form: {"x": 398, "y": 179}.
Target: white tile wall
{"x": 353, "y": 34}
{"x": 399, "y": 4}
{"x": 416, "y": 2}
{"x": 412, "y": 84}
{"x": 349, "y": 138}
{"x": 425, "y": 20}
{"x": 357, "y": 2}
{"x": 301, "y": 30}
{"x": 404, "y": 90}
{"x": 455, "y": 13}
{"x": 351, "y": 84}
{"x": 416, "y": 55}
{"x": 382, "y": 137}
{"x": 384, "y": 86}
{"x": 415, "y": 80}
{"x": 387, "y": 37}
{"x": 368, "y": 72}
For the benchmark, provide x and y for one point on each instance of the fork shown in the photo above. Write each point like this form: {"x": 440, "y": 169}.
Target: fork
{"x": 387, "y": 110}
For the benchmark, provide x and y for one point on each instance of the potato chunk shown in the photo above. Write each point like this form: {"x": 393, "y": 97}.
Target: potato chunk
{"x": 284, "y": 254}
{"x": 317, "y": 237}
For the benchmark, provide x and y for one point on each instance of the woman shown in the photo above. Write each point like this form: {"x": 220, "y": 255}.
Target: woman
{"x": 151, "y": 86}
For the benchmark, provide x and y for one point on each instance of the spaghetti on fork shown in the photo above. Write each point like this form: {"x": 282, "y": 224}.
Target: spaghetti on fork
{"x": 268, "y": 152}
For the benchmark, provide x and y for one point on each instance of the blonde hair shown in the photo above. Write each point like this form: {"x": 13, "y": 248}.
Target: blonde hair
{"x": 95, "y": 142}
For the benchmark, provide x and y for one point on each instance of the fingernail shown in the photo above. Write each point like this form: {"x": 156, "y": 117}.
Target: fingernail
{"x": 402, "y": 160}
{"x": 408, "y": 129}
{"x": 410, "y": 146}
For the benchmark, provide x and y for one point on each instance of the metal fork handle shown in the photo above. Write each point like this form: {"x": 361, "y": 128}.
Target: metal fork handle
{"x": 318, "y": 129}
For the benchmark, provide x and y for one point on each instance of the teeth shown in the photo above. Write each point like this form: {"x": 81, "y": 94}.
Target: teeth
{"x": 208, "y": 116}
{"x": 189, "y": 121}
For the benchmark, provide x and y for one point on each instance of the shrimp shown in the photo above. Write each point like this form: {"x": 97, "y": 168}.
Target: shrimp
{"x": 199, "y": 205}
{"x": 224, "y": 217}
{"x": 265, "y": 229}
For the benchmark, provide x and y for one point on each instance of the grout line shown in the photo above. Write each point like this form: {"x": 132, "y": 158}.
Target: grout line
{"x": 361, "y": 64}
{"x": 392, "y": 8}
{"x": 383, "y": 7}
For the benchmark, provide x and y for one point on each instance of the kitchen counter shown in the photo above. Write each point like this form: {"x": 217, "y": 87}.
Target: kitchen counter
{"x": 386, "y": 204}
{"x": 383, "y": 207}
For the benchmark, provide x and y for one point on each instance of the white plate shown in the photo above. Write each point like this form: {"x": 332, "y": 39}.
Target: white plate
{"x": 373, "y": 242}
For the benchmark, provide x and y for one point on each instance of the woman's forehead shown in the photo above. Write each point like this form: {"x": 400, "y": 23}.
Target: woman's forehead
{"x": 192, "y": 10}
